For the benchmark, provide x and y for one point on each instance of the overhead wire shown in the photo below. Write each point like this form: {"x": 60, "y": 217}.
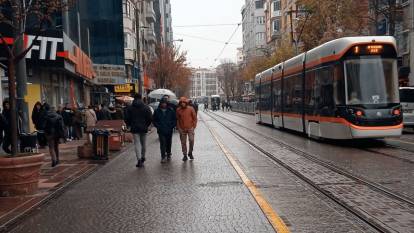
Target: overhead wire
{"x": 206, "y": 25}
{"x": 204, "y": 38}
{"x": 228, "y": 41}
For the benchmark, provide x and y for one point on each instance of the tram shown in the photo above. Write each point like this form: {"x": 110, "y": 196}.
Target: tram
{"x": 344, "y": 89}
{"x": 215, "y": 102}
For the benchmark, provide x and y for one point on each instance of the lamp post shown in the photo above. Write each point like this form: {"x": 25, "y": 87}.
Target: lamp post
{"x": 297, "y": 40}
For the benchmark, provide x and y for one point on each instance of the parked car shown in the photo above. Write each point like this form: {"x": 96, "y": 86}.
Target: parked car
{"x": 407, "y": 103}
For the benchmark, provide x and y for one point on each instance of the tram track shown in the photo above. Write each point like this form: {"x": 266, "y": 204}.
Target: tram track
{"x": 386, "y": 146}
{"x": 403, "y": 200}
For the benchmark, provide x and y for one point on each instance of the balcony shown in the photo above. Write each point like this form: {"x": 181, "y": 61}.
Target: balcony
{"x": 150, "y": 36}
{"x": 150, "y": 13}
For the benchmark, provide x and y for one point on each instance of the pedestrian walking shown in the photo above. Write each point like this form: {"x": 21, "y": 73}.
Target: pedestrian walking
{"x": 67, "y": 115}
{"x": 205, "y": 107}
{"x": 194, "y": 105}
{"x": 165, "y": 121}
{"x": 138, "y": 119}
{"x": 77, "y": 124}
{"x": 6, "y": 117}
{"x": 105, "y": 113}
{"x": 38, "y": 115}
{"x": 54, "y": 130}
{"x": 186, "y": 124}
{"x": 91, "y": 120}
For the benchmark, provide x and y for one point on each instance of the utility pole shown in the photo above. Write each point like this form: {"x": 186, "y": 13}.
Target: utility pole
{"x": 295, "y": 41}
{"x": 411, "y": 43}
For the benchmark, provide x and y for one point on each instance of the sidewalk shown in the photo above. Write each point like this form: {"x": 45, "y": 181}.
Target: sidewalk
{"x": 204, "y": 195}
{"x": 52, "y": 182}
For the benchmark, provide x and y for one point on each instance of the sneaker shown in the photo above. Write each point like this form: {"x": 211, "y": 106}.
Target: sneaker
{"x": 185, "y": 158}
{"x": 164, "y": 160}
{"x": 191, "y": 156}
{"x": 140, "y": 163}
{"x": 169, "y": 157}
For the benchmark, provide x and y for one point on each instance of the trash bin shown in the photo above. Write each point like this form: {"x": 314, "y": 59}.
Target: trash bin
{"x": 28, "y": 143}
{"x": 100, "y": 140}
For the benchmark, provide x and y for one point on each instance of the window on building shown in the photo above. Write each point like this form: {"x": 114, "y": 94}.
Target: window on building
{"x": 260, "y": 20}
{"x": 126, "y": 40}
{"x": 276, "y": 5}
{"x": 259, "y": 4}
{"x": 260, "y": 36}
{"x": 276, "y": 25}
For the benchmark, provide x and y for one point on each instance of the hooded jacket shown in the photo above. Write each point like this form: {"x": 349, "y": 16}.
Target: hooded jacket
{"x": 53, "y": 125}
{"x": 186, "y": 117}
{"x": 138, "y": 117}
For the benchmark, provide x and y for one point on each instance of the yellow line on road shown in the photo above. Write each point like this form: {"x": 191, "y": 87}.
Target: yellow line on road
{"x": 272, "y": 216}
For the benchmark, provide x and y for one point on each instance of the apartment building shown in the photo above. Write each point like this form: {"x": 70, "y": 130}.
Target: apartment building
{"x": 254, "y": 29}
{"x": 273, "y": 18}
{"x": 163, "y": 25}
{"x": 204, "y": 82}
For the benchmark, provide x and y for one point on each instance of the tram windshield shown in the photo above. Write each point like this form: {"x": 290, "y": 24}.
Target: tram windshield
{"x": 371, "y": 80}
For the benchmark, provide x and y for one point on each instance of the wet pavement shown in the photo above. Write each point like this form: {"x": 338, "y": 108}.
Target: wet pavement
{"x": 208, "y": 194}
{"x": 204, "y": 195}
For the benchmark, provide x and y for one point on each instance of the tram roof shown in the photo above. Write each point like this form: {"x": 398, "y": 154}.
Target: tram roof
{"x": 335, "y": 47}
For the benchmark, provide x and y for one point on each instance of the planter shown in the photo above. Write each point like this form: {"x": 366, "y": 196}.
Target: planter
{"x": 20, "y": 175}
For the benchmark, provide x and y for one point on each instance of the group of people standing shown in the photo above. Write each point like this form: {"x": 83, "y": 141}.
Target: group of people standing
{"x": 166, "y": 118}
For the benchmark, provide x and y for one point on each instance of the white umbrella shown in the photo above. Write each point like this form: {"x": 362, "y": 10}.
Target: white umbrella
{"x": 159, "y": 93}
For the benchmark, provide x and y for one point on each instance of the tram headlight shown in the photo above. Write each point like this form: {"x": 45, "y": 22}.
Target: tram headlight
{"x": 359, "y": 113}
{"x": 396, "y": 112}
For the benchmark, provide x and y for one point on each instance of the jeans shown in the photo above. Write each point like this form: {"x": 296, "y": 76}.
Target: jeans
{"x": 165, "y": 144}
{"x": 69, "y": 132}
{"x": 183, "y": 138}
{"x": 140, "y": 145}
{"x": 53, "y": 143}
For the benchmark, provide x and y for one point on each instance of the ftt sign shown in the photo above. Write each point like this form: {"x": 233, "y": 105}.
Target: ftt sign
{"x": 47, "y": 47}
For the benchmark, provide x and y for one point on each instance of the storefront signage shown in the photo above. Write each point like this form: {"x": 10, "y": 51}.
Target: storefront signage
{"x": 125, "y": 88}
{"x": 109, "y": 74}
{"x": 43, "y": 44}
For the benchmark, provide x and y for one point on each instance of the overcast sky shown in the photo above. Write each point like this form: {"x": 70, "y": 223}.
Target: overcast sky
{"x": 201, "y": 51}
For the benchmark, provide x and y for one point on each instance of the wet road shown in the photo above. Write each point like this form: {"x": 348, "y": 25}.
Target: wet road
{"x": 369, "y": 159}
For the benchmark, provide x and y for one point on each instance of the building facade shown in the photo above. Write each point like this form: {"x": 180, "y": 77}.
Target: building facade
{"x": 273, "y": 20}
{"x": 204, "y": 82}
{"x": 254, "y": 29}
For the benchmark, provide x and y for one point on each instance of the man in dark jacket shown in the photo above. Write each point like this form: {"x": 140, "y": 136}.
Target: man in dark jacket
{"x": 6, "y": 115}
{"x": 54, "y": 130}
{"x": 165, "y": 122}
{"x": 67, "y": 114}
{"x": 138, "y": 119}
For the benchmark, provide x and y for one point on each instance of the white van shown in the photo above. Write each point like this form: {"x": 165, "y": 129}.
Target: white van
{"x": 407, "y": 103}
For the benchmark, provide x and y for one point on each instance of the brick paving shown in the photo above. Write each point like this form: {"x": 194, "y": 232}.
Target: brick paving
{"x": 204, "y": 195}
{"x": 52, "y": 180}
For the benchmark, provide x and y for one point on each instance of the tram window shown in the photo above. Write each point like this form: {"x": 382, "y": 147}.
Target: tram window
{"x": 326, "y": 105}
{"x": 277, "y": 95}
{"x": 293, "y": 93}
{"x": 310, "y": 92}
{"x": 339, "y": 85}
{"x": 372, "y": 80}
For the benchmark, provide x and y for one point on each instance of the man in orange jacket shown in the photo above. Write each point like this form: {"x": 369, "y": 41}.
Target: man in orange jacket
{"x": 186, "y": 124}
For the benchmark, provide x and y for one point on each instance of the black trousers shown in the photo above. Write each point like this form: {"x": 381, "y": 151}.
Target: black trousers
{"x": 7, "y": 144}
{"x": 165, "y": 144}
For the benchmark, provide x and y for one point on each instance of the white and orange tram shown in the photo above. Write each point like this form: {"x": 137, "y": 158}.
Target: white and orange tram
{"x": 344, "y": 89}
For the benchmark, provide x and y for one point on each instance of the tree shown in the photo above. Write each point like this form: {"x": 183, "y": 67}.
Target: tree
{"x": 229, "y": 78}
{"x": 15, "y": 15}
{"x": 170, "y": 71}
{"x": 330, "y": 20}
{"x": 389, "y": 10}
{"x": 283, "y": 52}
